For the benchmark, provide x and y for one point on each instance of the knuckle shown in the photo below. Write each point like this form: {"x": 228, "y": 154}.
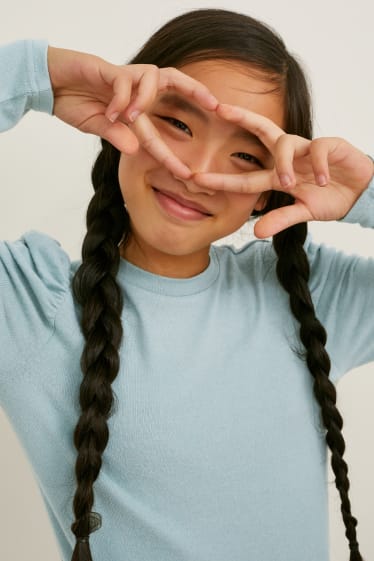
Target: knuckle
{"x": 151, "y": 69}
{"x": 285, "y": 139}
{"x": 244, "y": 187}
{"x": 281, "y": 148}
{"x": 319, "y": 146}
{"x": 149, "y": 142}
{"x": 144, "y": 67}
{"x": 172, "y": 70}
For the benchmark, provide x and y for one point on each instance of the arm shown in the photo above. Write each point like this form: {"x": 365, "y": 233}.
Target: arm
{"x": 92, "y": 95}
{"x": 342, "y": 286}
{"x": 362, "y": 211}
{"x": 25, "y": 82}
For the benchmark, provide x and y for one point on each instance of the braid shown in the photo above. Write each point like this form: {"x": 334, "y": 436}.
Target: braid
{"x": 96, "y": 290}
{"x": 293, "y": 274}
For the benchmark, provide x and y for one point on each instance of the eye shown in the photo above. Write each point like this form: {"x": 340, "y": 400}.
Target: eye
{"x": 249, "y": 158}
{"x": 177, "y": 124}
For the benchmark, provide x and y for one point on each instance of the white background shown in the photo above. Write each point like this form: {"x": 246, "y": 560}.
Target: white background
{"x": 45, "y": 185}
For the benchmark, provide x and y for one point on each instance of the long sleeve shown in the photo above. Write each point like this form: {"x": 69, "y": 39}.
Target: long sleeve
{"x": 25, "y": 82}
{"x": 343, "y": 291}
{"x": 34, "y": 280}
{"x": 363, "y": 211}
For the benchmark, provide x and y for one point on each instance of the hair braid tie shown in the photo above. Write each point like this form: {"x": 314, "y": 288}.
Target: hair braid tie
{"x": 82, "y": 530}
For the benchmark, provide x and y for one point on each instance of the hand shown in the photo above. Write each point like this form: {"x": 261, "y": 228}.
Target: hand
{"x": 103, "y": 99}
{"x": 325, "y": 176}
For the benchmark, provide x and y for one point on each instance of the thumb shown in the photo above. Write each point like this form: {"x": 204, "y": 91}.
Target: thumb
{"x": 279, "y": 219}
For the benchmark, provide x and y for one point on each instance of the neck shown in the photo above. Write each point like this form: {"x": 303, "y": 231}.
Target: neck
{"x": 163, "y": 264}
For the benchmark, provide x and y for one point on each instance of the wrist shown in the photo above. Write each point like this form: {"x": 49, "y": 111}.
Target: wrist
{"x": 54, "y": 62}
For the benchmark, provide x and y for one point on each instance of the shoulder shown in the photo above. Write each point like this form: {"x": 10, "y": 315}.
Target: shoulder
{"x": 257, "y": 259}
{"x": 335, "y": 265}
{"x": 35, "y": 281}
{"x": 35, "y": 256}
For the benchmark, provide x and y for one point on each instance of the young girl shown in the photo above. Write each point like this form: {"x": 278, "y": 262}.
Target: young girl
{"x": 189, "y": 386}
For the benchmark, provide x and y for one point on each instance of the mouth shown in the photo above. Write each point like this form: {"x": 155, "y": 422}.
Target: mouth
{"x": 179, "y": 207}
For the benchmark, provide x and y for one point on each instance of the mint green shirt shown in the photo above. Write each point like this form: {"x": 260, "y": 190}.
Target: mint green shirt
{"x": 216, "y": 449}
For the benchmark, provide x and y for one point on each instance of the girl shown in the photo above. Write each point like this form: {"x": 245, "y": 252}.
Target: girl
{"x": 208, "y": 367}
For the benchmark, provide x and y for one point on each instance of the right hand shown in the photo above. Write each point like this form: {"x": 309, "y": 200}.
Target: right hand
{"x": 100, "y": 98}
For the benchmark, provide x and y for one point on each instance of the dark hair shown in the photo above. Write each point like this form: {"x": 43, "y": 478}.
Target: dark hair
{"x": 198, "y": 35}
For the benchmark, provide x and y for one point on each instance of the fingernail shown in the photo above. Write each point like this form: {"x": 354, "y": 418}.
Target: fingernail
{"x": 133, "y": 115}
{"x": 322, "y": 180}
{"x": 285, "y": 179}
{"x": 113, "y": 117}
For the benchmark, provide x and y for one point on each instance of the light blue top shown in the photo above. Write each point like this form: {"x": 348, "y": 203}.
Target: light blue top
{"x": 216, "y": 450}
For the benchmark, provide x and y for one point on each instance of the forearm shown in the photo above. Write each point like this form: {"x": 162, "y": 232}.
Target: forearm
{"x": 25, "y": 82}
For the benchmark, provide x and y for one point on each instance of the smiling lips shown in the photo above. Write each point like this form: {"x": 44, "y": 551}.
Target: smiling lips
{"x": 179, "y": 207}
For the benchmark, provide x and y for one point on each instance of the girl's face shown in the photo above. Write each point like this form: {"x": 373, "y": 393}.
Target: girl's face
{"x": 168, "y": 238}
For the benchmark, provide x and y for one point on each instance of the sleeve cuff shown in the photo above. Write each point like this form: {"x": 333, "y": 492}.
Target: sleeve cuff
{"x": 25, "y": 81}
{"x": 40, "y": 83}
{"x": 362, "y": 211}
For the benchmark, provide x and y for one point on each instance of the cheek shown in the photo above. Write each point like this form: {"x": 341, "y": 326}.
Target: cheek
{"x": 132, "y": 169}
{"x": 241, "y": 206}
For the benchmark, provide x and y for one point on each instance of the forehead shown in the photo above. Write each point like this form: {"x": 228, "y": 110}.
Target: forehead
{"x": 240, "y": 84}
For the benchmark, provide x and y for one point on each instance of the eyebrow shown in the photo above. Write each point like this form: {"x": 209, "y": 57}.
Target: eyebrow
{"x": 178, "y": 102}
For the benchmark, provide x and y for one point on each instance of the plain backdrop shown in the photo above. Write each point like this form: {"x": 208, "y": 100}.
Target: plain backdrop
{"x": 45, "y": 185}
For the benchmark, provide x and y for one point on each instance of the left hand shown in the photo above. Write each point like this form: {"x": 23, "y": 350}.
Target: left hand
{"x": 325, "y": 176}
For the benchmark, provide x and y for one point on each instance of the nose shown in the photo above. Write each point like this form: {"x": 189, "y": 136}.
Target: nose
{"x": 193, "y": 187}
{"x": 202, "y": 161}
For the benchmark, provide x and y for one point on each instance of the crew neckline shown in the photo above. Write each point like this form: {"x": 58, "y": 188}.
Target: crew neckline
{"x": 131, "y": 274}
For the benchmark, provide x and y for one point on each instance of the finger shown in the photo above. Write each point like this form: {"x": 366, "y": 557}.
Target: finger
{"x": 171, "y": 78}
{"x": 262, "y": 127}
{"x": 150, "y": 80}
{"x": 124, "y": 80}
{"x": 288, "y": 147}
{"x": 146, "y": 93}
{"x": 253, "y": 182}
{"x": 320, "y": 149}
{"x": 151, "y": 140}
{"x": 281, "y": 218}
{"x": 116, "y": 133}
{"x": 122, "y": 88}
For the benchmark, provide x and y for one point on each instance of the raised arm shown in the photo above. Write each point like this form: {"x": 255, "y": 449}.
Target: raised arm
{"x": 92, "y": 95}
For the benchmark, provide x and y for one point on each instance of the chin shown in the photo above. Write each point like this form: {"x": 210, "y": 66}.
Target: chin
{"x": 178, "y": 250}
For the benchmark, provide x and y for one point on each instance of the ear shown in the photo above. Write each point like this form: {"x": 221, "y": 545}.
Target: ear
{"x": 262, "y": 201}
